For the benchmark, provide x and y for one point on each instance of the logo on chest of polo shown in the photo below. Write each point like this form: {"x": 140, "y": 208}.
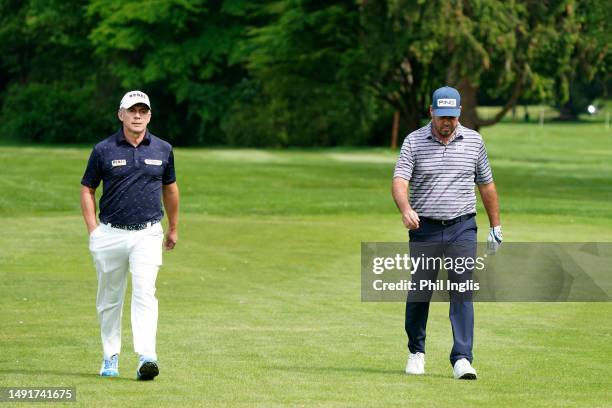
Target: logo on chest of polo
{"x": 153, "y": 162}
{"x": 116, "y": 163}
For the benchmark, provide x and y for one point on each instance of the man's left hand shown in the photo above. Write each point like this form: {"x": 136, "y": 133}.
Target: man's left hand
{"x": 171, "y": 238}
{"x": 495, "y": 238}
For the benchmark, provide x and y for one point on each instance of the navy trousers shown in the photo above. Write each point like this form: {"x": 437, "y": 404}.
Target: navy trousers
{"x": 452, "y": 241}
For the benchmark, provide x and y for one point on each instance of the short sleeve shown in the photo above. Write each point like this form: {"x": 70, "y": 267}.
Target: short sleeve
{"x": 405, "y": 162}
{"x": 93, "y": 172}
{"x": 484, "y": 175}
{"x": 169, "y": 175}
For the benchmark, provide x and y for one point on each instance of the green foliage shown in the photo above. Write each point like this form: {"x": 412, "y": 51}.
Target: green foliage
{"x": 44, "y": 40}
{"x": 290, "y": 73}
{"x": 53, "y": 91}
{"x": 58, "y": 112}
{"x": 303, "y": 60}
{"x": 509, "y": 48}
{"x": 586, "y": 69}
{"x": 253, "y": 120}
{"x": 183, "y": 49}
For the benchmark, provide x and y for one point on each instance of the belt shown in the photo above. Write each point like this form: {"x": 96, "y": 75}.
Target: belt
{"x": 132, "y": 227}
{"x": 452, "y": 221}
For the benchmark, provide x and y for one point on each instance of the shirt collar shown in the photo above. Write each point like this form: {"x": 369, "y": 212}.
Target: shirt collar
{"x": 120, "y": 137}
{"x": 458, "y": 133}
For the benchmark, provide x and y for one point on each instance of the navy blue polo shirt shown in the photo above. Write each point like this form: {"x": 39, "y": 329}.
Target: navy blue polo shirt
{"x": 132, "y": 177}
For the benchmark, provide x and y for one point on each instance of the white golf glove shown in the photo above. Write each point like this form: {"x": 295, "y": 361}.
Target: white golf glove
{"x": 494, "y": 239}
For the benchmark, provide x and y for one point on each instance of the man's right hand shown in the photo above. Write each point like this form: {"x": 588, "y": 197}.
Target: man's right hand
{"x": 410, "y": 219}
{"x": 91, "y": 228}
{"x": 88, "y": 207}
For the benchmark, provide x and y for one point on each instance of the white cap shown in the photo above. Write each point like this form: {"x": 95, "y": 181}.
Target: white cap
{"x": 132, "y": 98}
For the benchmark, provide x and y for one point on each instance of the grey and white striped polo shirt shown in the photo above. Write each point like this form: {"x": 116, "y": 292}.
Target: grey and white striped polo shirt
{"x": 442, "y": 177}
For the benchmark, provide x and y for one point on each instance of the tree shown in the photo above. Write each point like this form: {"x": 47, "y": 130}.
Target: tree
{"x": 43, "y": 40}
{"x": 513, "y": 46}
{"x": 302, "y": 59}
{"x": 400, "y": 51}
{"x": 184, "y": 53}
{"x": 295, "y": 72}
{"x": 586, "y": 75}
{"x": 49, "y": 80}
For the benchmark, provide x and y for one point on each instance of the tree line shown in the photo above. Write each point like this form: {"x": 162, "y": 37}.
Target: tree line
{"x": 290, "y": 73}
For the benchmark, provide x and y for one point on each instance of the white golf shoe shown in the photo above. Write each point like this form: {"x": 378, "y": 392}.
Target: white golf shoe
{"x": 416, "y": 364}
{"x": 463, "y": 370}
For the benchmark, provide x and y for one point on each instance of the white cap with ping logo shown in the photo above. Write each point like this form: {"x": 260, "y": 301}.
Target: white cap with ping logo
{"x": 132, "y": 98}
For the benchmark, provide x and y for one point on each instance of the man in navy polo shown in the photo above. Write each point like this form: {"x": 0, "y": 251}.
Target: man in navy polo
{"x": 440, "y": 164}
{"x": 137, "y": 171}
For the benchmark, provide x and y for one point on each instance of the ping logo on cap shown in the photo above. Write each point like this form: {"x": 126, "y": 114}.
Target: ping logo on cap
{"x": 447, "y": 103}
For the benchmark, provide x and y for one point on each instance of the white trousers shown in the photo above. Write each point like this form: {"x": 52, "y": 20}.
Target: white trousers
{"x": 115, "y": 252}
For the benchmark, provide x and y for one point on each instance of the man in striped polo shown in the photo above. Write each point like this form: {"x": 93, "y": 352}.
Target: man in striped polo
{"x": 433, "y": 187}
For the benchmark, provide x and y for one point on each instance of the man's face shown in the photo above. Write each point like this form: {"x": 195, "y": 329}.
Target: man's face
{"x": 444, "y": 125}
{"x": 136, "y": 118}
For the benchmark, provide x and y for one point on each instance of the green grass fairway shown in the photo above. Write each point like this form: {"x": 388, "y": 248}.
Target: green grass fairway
{"x": 260, "y": 301}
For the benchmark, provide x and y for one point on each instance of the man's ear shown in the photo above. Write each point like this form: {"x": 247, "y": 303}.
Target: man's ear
{"x": 120, "y": 115}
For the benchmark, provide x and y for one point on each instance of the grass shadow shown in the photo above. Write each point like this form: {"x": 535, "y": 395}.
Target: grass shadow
{"x": 63, "y": 374}
{"x": 365, "y": 370}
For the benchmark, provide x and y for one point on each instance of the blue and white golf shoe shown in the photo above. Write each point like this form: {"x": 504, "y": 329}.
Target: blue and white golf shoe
{"x": 110, "y": 368}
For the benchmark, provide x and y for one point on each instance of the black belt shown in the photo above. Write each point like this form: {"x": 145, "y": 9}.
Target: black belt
{"x": 131, "y": 227}
{"x": 452, "y": 221}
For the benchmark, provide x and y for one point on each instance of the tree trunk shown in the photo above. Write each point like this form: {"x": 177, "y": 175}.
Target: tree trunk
{"x": 410, "y": 111}
{"x": 395, "y": 131}
{"x": 567, "y": 112}
{"x": 469, "y": 102}
{"x": 411, "y": 120}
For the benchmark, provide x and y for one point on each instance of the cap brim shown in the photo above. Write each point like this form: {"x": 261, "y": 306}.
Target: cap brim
{"x": 447, "y": 112}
